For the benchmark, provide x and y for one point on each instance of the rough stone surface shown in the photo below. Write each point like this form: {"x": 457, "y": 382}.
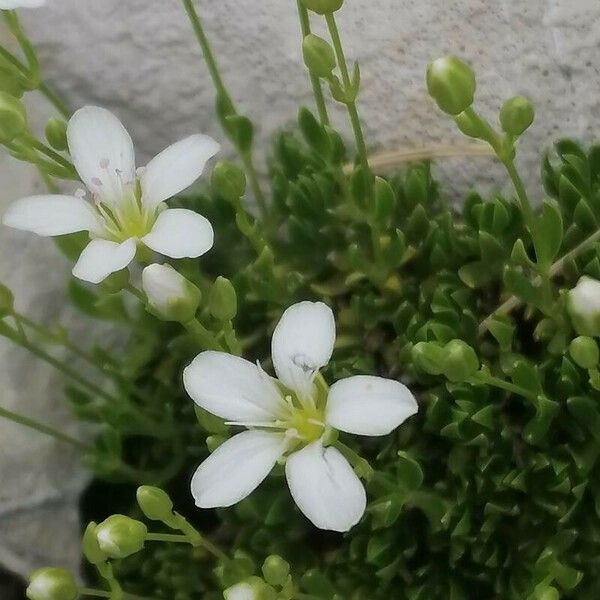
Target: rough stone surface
{"x": 140, "y": 59}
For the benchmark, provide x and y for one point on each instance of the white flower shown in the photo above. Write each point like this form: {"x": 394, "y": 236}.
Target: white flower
{"x": 13, "y": 4}
{"x": 583, "y": 305}
{"x": 127, "y": 209}
{"x": 240, "y": 591}
{"x": 288, "y": 416}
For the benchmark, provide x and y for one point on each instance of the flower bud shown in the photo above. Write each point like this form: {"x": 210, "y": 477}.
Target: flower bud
{"x": 240, "y": 591}
{"x": 51, "y": 584}
{"x": 584, "y": 351}
{"x": 583, "y": 306}
{"x": 13, "y": 119}
{"x": 56, "y": 134}
{"x": 154, "y": 502}
{"x": 460, "y": 361}
{"x": 222, "y": 300}
{"x": 429, "y": 357}
{"x": 229, "y": 181}
{"x": 323, "y": 7}
{"x": 516, "y": 115}
{"x": 451, "y": 83}
{"x": 120, "y": 536}
{"x": 171, "y": 296}
{"x": 275, "y": 570}
{"x": 6, "y": 301}
{"x": 90, "y": 547}
{"x": 9, "y": 83}
{"x": 318, "y": 56}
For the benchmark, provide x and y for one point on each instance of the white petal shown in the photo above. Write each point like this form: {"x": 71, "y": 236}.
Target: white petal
{"x": 102, "y": 152}
{"x": 302, "y": 343}
{"x": 100, "y": 258}
{"x": 325, "y": 487}
{"x": 232, "y": 388}
{"x": 366, "y": 405}
{"x": 51, "y": 215}
{"x": 239, "y": 591}
{"x": 180, "y": 233}
{"x": 176, "y": 168}
{"x": 236, "y": 468}
{"x": 13, "y": 4}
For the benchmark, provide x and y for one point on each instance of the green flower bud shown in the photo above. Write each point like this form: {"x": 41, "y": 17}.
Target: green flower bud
{"x": 222, "y": 300}
{"x": 516, "y": 115}
{"x": 13, "y": 119}
{"x": 460, "y": 361}
{"x": 9, "y": 83}
{"x": 154, "y": 502}
{"x": 429, "y": 357}
{"x": 115, "y": 282}
{"x": 51, "y": 584}
{"x": 56, "y": 134}
{"x": 171, "y": 297}
{"x": 318, "y": 55}
{"x": 120, "y": 536}
{"x": 229, "y": 181}
{"x": 584, "y": 351}
{"x": 323, "y": 7}
{"x": 6, "y": 301}
{"x": 583, "y": 306}
{"x": 90, "y": 547}
{"x": 451, "y": 83}
{"x": 275, "y": 570}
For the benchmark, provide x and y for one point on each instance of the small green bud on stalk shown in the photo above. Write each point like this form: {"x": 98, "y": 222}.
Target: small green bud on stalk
{"x": 9, "y": 83}
{"x": 583, "y": 306}
{"x": 171, "y": 297}
{"x": 229, "y": 181}
{"x": 222, "y": 300}
{"x": 275, "y": 570}
{"x": 584, "y": 351}
{"x": 7, "y": 301}
{"x": 120, "y": 536}
{"x": 460, "y": 361}
{"x": 451, "y": 83}
{"x": 429, "y": 356}
{"x": 154, "y": 502}
{"x": 516, "y": 115}
{"x": 318, "y": 55}
{"x": 323, "y": 7}
{"x": 51, "y": 584}
{"x": 13, "y": 119}
{"x": 56, "y": 134}
{"x": 90, "y": 547}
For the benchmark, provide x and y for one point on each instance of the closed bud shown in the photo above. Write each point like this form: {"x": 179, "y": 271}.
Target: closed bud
{"x": 51, "y": 584}
{"x": 323, "y": 7}
{"x": 91, "y": 547}
{"x": 429, "y": 356}
{"x": 13, "y": 119}
{"x": 583, "y": 306}
{"x": 154, "y": 502}
{"x": 222, "y": 300}
{"x": 451, "y": 83}
{"x": 9, "y": 83}
{"x": 584, "y": 351}
{"x": 6, "y": 301}
{"x": 56, "y": 133}
{"x": 275, "y": 570}
{"x": 460, "y": 361}
{"x": 240, "y": 591}
{"x": 318, "y": 55}
{"x": 516, "y": 115}
{"x": 120, "y": 536}
{"x": 229, "y": 181}
{"x": 171, "y": 297}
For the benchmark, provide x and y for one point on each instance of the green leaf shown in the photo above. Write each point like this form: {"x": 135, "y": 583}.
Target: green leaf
{"x": 314, "y": 134}
{"x": 520, "y": 286}
{"x": 549, "y": 234}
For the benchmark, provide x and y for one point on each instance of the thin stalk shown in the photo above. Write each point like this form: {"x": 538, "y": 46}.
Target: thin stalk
{"x": 222, "y": 92}
{"x": 54, "y": 99}
{"x": 485, "y": 378}
{"x": 314, "y": 79}
{"x": 42, "y": 428}
{"x": 136, "y": 292}
{"x": 526, "y": 209}
{"x": 167, "y": 537}
{"x": 51, "y": 154}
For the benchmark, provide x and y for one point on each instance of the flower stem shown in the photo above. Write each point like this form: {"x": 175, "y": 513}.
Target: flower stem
{"x": 167, "y": 537}
{"x": 314, "y": 79}
{"x": 42, "y": 428}
{"x": 54, "y": 99}
{"x": 483, "y": 377}
{"x": 222, "y": 92}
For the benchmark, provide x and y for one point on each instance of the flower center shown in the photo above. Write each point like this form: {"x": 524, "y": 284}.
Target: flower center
{"x": 307, "y": 421}
{"x": 127, "y": 218}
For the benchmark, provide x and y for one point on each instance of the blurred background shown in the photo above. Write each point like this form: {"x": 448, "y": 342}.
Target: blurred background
{"x": 140, "y": 59}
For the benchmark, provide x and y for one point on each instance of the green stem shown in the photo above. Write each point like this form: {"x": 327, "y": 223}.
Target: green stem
{"x": 361, "y": 146}
{"x": 136, "y": 292}
{"x": 51, "y": 154}
{"x": 222, "y": 93}
{"x": 54, "y": 99}
{"x": 206, "y": 338}
{"x": 42, "y": 428}
{"x": 167, "y": 537}
{"x": 485, "y": 378}
{"x": 314, "y": 79}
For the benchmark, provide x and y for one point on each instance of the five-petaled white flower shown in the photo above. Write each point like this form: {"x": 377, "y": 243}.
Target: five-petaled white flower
{"x": 13, "y": 4}
{"x": 288, "y": 416}
{"x": 128, "y": 208}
